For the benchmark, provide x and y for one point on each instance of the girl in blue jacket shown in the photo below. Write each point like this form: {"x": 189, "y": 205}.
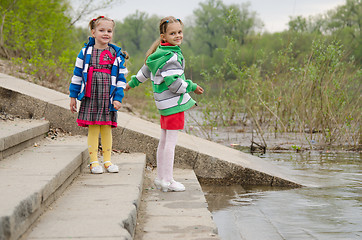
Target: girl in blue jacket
{"x": 98, "y": 82}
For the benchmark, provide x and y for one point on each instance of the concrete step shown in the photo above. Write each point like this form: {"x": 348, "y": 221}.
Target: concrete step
{"x": 175, "y": 215}
{"x": 20, "y": 133}
{"x": 32, "y": 179}
{"x": 96, "y": 206}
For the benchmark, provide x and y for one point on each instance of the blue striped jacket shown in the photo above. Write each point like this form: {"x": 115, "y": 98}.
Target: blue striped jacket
{"x": 118, "y": 74}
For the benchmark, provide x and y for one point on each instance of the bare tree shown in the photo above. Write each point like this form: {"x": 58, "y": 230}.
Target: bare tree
{"x": 84, "y": 8}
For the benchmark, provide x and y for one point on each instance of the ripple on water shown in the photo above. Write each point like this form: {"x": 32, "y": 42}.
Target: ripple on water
{"x": 331, "y": 211}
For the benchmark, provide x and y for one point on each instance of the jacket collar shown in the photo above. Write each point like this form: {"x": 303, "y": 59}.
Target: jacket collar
{"x": 91, "y": 42}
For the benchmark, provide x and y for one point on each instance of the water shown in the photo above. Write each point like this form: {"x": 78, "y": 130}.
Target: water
{"x": 331, "y": 209}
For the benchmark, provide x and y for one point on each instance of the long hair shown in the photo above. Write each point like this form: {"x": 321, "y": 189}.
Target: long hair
{"x": 163, "y": 28}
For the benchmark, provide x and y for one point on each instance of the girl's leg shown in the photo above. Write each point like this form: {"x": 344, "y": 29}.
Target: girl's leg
{"x": 106, "y": 134}
{"x": 160, "y": 154}
{"x": 165, "y": 161}
{"x": 169, "y": 154}
{"x": 93, "y": 136}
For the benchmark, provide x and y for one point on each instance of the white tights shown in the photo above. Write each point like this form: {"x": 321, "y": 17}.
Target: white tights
{"x": 166, "y": 154}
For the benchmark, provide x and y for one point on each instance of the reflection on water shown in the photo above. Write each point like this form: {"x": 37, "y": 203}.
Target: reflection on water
{"x": 333, "y": 210}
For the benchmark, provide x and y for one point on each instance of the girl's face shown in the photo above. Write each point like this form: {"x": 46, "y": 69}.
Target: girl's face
{"x": 174, "y": 34}
{"x": 103, "y": 33}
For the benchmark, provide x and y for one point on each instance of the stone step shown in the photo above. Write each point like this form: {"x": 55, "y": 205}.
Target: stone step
{"x": 175, "y": 215}
{"x": 32, "y": 179}
{"x": 18, "y": 134}
{"x": 96, "y": 206}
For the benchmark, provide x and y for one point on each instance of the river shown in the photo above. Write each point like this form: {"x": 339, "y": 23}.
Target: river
{"x": 330, "y": 209}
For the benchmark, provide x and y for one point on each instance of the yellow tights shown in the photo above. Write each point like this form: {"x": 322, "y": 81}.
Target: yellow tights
{"x": 106, "y": 135}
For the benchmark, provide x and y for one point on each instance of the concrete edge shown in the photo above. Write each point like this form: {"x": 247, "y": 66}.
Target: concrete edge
{"x": 18, "y": 140}
{"x": 130, "y": 223}
{"x": 29, "y": 209}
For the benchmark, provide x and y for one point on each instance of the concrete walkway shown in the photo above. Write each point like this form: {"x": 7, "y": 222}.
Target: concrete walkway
{"x": 102, "y": 206}
{"x": 106, "y": 207}
{"x": 174, "y": 215}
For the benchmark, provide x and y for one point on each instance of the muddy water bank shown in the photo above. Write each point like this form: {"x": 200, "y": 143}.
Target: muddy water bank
{"x": 241, "y": 136}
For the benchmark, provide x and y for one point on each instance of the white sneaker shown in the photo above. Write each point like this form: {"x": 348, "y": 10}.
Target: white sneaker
{"x": 176, "y": 186}
{"x": 96, "y": 170}
{"x": 164, "y": 185}
{"x": 172, "y": 186}
{"x": 112, "y": 168}
{"x": 157, "y": 183}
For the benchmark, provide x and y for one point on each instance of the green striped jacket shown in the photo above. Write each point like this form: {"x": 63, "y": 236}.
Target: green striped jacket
{"x": 165, "y": 67}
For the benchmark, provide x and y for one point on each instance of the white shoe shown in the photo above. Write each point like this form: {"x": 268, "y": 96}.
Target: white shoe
{"x": 176, "y": 186}
{"x": 112, "y": 168}
{"x": 96, "y": 169}
{"x": 157, "y": 183}
{"x": 172, "y": 186}
{"x": 164, "y": 185}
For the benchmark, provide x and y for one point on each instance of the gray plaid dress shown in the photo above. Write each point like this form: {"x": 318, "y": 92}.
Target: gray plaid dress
{"x": 94, "y": 110}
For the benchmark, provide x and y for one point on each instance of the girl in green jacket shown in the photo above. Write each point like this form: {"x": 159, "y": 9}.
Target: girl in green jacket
{"x": 165, "y": 66}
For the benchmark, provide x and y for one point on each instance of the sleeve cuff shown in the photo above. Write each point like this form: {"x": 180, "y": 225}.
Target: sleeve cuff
{"x": 193, "y": 87}
{"x": 133, "y": 82}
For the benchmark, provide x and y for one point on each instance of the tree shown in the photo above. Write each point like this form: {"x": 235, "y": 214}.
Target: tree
{"x": 130, "y": 31}
{"x": 84, "y": 8}
{"x": 30, "y": 30}
{"x": 137, "y": 32}
{"x": 215, "y": 21}
{"x": 345, "y": 23}
{"x": 209, "y": 25}
{"x": 240, "y": 22}
{"x": 297, "y": 24}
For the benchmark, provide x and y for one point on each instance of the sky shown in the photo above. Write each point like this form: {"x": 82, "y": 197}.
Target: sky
{"x": 274, "y": 13}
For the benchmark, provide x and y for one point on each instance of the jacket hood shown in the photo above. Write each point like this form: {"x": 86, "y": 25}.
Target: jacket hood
{"x": 163, "y": 53}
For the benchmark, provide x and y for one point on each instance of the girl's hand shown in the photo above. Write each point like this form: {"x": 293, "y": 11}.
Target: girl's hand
{"x": 73, "y": 105}
{"x": 199, "y": 90}
{"x": 117, "y": 105}
{"x": 127, "y": 87}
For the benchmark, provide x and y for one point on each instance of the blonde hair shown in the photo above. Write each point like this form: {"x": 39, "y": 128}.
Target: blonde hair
{"x": 95, "y": 22}
{"x": 163, "y": 29}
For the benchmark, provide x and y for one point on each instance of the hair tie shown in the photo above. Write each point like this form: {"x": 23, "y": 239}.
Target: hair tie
{"x": 94, "y": 19}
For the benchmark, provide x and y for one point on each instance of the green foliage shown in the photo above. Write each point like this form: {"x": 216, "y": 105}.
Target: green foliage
{"x": 39, "y": 39}
{"x": 215, "y": 21}
{"x": 137, "y": 32}
{"x": 320, "y": 94}
{"x": 298, "y": 24}
{"x": 29, "y": 30}
{"x": 343, "y": 23}
{"x": 209, "y": 26}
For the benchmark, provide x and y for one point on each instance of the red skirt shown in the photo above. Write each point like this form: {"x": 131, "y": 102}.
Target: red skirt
{"x": 173, "y": 122}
